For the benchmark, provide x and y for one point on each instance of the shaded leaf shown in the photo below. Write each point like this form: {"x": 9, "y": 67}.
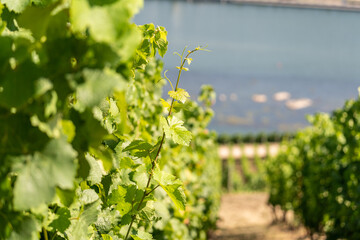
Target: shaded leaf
{"x": 31, "y": 86}
{"x": 98, "y": 84}
{"x": 138, "y": 145}
{"x": 27, "y": 229}
{"x": 139, "y": 148}
{"x": 66, "y": 196}
{"x": 78, "y": 229}
{"x": 68, "y": 128}
{"x": 42, "y": 172}
{"x": 62, "y": 222}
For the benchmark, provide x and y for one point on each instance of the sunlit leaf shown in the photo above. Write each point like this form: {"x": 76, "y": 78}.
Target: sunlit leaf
{"x": 172, "y": 186}
{"x": 180, "y": 95}
{"x": 165, "y": 103}
{"x": 16, "y": 5}
{"x": 175, "y": 130}
{"x": 141, "y": 235}
{"x": 117, "y": 197}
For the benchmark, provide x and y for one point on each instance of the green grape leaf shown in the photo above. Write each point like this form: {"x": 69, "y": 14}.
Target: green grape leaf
{"x": 16, "y": 5}
{"x": 52, "y": 128}
{"x": 108, "y": 23}
{"x": 29, "y": 19}
{"x": 66, "y": 196}
{"x": 78, "y": 229}
{"x": 105, "y": 155}
{"x": 180, "y": 95}
{"x": 141, "y": 235}
{"x": 98, "y": 84}
{"x": 118, "y": 197}
{"x": 50, "y": 107}
{"x": 62, "y": 222}
{"x": 138, "y": 145}
{"x": 106, "y": 237}
{"x": 172, "y": 186}
{"x": 32, "y": 85}
{"x": 27, "y": 229}
{"x": 141, "y": 176}
{"x": 126, "y": 162}
{"x": 165, "y": 103}
{"x": 122, "y": 106}
{"x": 42, "y": 172}
{"x": 139, "y": 148}
{"x": 95, "y": 173}
{"x": 68, "y": 128}
{"x": 165, "y": 126}
{"x": 2, "y": 25}
{"x": 5, "y": 48}
{"x": 42, "y": 2}
{"x": 161, "y": 40}
{"x": 162, "y": 44}
{"x": 178, "y": 106}
{"x": 113, "y": 110}
{"x": 88, "y": 196}
{"x": 154, "y": 151}
{"x": 175, "y": 130}
{"x": 148, "y": 213}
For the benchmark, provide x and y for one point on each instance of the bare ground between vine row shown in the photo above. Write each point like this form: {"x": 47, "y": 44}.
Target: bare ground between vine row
{"x": 247, "y": 216}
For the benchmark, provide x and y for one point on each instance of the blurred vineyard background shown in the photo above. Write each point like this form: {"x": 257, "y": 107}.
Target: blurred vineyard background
{"x": 274, "y": 70}
{"x": 274, "y": 116}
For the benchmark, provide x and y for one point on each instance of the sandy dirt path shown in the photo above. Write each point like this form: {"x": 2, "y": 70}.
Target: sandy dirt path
{"x": 246, "y": 216}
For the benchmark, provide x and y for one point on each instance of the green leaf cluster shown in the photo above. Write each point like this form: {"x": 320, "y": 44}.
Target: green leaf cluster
{"x": 81, "y": 126}
{"x": 315, "y": 174}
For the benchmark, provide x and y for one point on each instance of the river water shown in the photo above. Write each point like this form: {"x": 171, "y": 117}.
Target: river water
{"x": 258, "y": 51}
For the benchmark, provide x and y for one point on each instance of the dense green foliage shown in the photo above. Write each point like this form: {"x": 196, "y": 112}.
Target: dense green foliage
{"x": 317, "y": 174}
{"x": 82, "y": 128}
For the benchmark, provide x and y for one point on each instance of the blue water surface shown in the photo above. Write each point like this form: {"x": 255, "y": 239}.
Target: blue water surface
{"x": 308, "y": 53}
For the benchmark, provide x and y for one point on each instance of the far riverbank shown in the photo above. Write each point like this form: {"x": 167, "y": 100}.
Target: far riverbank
{"x": 347, "y": 5}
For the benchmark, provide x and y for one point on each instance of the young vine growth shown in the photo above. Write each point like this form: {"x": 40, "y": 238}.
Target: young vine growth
{"x": 82, "y": 128}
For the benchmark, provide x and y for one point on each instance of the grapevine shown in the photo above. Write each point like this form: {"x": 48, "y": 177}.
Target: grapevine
{"x": 82, "y": 132}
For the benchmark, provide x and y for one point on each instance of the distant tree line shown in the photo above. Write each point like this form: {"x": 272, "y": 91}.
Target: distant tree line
{"x": 261, "y": 137}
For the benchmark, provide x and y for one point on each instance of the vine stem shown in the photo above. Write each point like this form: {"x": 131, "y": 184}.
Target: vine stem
{"x": 45, "y": 234}
{"x": 183, "y": 60}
